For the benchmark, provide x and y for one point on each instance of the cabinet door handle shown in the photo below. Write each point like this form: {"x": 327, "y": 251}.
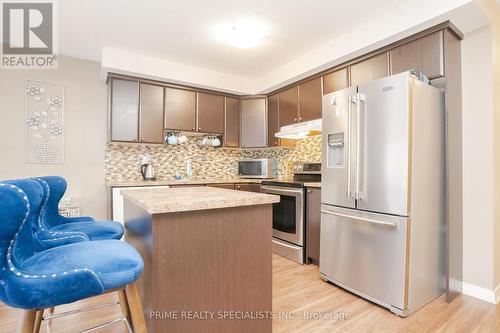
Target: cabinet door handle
{"x": 309, "y": 191}
{"x": 300, "y": 118}
{"x": 238, "y": 187}
{"x": 295, "y": 119}
{"x": 194, "y": 128}
{"x": 199, "y": 128}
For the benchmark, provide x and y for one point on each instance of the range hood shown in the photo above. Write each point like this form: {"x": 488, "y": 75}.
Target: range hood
{"x": 300, "y": 130}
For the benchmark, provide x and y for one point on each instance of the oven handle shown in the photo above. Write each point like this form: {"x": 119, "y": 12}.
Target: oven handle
{"x": 280, "y": 190}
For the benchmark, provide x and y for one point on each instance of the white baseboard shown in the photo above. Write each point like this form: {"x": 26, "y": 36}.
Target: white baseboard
{"x": 487, "y": 295}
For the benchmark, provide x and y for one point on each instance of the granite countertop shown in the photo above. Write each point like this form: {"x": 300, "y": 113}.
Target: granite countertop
{"x": 201, "y": 181}
{"x": 170, "y": 200}
{"x": 313, "y": 184}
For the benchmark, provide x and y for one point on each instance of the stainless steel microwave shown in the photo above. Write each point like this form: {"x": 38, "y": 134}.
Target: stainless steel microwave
{"x": 257, "y": 168}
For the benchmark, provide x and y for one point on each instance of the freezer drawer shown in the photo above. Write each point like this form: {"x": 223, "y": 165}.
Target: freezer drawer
{"x": 366, "y": 253}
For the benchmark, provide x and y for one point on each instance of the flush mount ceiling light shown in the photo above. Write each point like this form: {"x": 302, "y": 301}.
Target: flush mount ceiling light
{"x": 242, "y": 34}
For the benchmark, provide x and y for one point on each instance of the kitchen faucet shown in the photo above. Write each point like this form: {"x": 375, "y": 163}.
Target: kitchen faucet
{"x": 190, "y": 171}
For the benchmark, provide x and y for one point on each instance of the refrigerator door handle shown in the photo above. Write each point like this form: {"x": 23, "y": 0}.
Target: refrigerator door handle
{"x": 349, "y": 111}
{"x": 365, "y": 219}
{"x": 360, "y": 99}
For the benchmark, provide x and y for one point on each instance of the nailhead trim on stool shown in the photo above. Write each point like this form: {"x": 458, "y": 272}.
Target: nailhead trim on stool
{"x": 12, "y": 267}
{"x": 41, "y": 224}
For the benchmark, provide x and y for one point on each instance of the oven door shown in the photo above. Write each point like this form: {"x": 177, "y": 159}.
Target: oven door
{"x": 288, "y": 214}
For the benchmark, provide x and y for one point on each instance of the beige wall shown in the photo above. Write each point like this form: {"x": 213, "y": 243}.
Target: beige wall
{"x": 492, "y": 9}
{"x": 477, "y": 158}
{"x": 84, "y": 130}
{"x": 495, "y": 17}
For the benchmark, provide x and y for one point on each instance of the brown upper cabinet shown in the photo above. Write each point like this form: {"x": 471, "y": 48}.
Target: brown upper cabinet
{"x": 231, "y": 122}
{"x": 310, "y": 100}
{"x": 180, "y": 109}
{"x": 370, "y": 69}
{"x": 289, "y": 106}
{"x": 424, "y": 54}
{"x": 336, "y": 80}
{"x": 151, "y": 113}
{"x": 210, "y": 113}
{"x": 273, "y": 125}
{"x": 253, "y": 122}
{"x": 124, "y": 110}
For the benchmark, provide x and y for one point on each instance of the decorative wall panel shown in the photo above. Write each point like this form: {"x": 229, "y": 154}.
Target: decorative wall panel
{"x": 44, "y": 122}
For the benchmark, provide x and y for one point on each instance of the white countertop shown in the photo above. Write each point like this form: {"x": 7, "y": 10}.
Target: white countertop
{"x": 313, "y": 184}
{"x": 183, "y": 199}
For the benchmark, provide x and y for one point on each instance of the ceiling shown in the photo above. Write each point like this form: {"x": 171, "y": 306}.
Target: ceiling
{"x": 184, "y": 31}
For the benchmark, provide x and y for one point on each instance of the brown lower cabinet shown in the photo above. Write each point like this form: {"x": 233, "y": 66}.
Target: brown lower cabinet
{"x": 239, "y": 187}
{"x": 248, "y": 187}
{"x": 226, "y": 186}
{"x": 187, "y": 185}
{"x": 313, "y": 223}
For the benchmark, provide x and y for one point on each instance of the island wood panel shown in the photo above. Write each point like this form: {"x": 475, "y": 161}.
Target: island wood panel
{"x": 211, "y": 260}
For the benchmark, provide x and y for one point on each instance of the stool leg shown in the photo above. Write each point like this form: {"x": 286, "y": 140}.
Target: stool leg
{"x": 27, "y": 321}
{"x": 122, "y": 295}
{"x": 136, "y": 311}
{"x": 38, "y": 321}
{"x": 51, "y": 312}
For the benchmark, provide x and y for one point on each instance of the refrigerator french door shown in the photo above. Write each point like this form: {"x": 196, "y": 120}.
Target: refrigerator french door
{"x": 366, "y": 147}
{"x": 374, "y": 136}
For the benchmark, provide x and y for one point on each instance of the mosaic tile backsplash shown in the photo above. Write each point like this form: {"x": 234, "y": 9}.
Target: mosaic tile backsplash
{"x": 122, "y": 161}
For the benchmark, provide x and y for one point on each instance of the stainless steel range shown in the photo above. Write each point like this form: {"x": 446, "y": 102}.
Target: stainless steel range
{"x": 289, "y": 214}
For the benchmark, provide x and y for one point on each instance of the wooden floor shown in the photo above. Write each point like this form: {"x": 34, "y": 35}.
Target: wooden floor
{"x": 298, "y": 289}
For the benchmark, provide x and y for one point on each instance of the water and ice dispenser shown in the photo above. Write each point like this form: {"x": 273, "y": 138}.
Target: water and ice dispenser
{"x": 335, "y": 150}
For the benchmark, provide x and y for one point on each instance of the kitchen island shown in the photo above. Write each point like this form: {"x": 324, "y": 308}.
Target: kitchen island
{"x": 207, "y": 255}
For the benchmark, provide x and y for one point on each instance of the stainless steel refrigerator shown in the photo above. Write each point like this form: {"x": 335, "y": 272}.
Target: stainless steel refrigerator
{"x": 383, "y": 175}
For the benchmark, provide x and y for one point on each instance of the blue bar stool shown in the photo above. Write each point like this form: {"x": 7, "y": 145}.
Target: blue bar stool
{"x": 55, "y": 230}
{"x": 35, "y": 280}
